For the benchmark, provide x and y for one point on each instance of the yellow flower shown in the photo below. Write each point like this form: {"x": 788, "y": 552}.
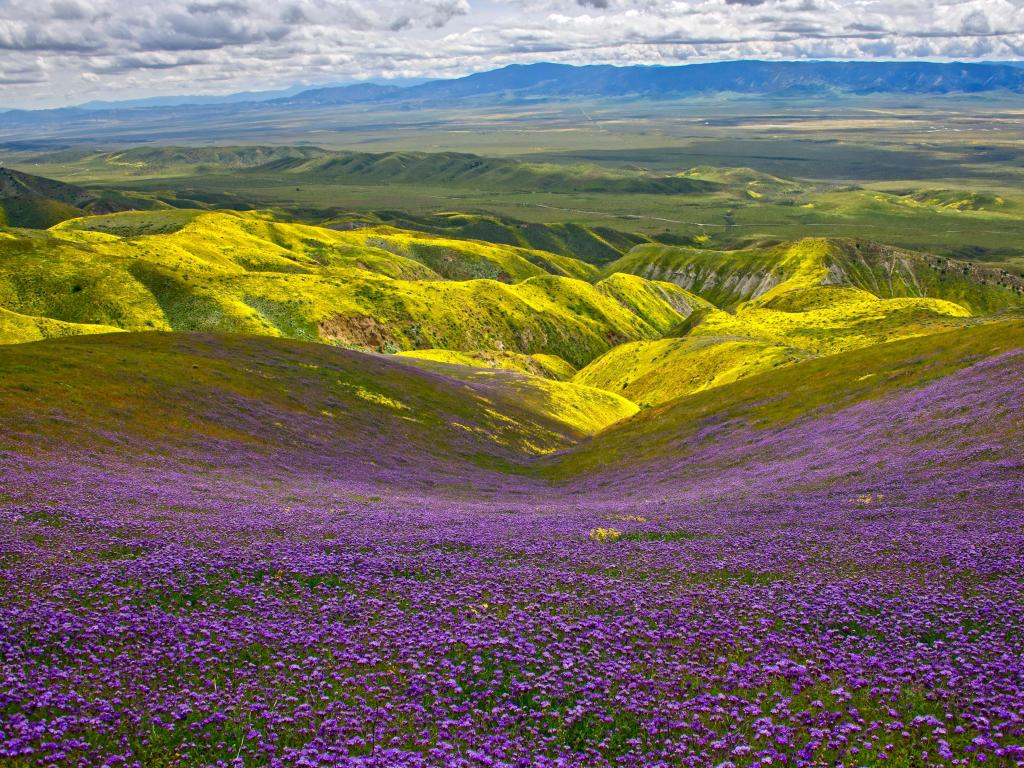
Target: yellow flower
{"x": 605, "y": 534}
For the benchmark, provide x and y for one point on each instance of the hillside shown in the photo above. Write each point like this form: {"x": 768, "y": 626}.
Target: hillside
{"x": 594, "y": 245}
{"x": 326, "y": 523}
{"x": 657, "y": 324}
{"x": 810, "y": 427}
{"x": 727, "y": 278}
{"x": 242, "y": 397}
{"x": 314, "y": 165}
{"x": 35, "y": 201}
{"x": 263, "y": 396}
{"x": 379, "y": 289}
{"x": 790, "y": 302}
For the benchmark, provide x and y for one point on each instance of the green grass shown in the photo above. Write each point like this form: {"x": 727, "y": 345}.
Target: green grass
{"x": 594, "y": 245}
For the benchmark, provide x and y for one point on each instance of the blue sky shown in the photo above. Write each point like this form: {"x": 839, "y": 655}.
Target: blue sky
{"x": 57, "y": 52}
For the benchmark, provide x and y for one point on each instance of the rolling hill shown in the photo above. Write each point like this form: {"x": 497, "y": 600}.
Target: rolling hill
{"x": 782, "y": 304}
{"x": 250, "y": 396}
{"x": 254, "y": 397}
{"x": 380, "y": 289}
{"x": 308, "y": 164}
{"x": 34, "y": 201}
{"x": 806, "y": 428}
{"x": 594, "y": 245}
{"x": 727, "y": 278}
{"x": 656, "y": 324}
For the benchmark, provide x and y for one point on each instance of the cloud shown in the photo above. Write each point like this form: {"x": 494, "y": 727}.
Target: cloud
{"x": 100, "y": 48}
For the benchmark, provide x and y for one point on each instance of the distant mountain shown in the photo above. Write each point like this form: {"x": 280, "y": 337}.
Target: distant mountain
{"x": 35, "y": 201}
{"x": 186, "y": 99}
{"x": 565, "y": 80}
{"x": 344, "y": 94}
{"x": 749, "y": 77}
{"x": 328, "y": 94}
{"x": 129, "y": 122}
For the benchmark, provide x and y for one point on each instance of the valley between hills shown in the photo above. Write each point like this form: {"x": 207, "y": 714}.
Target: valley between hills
{"x": 293, "y": 474}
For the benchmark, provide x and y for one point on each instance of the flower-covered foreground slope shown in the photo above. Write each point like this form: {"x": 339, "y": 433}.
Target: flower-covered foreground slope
{"x": 234, "y": 402}
{"x": 817, "y": 566}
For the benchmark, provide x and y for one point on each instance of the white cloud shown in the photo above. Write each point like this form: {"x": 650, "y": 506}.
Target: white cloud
{"x": 110, "y": 48}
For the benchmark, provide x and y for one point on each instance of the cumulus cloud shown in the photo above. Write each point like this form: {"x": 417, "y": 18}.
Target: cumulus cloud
{"x": 108, "y": 47}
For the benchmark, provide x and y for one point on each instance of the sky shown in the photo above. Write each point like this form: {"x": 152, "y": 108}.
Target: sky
{"x": 62, "y": 52}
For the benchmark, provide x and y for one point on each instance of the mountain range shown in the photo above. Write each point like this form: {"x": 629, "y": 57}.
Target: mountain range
{"x": 542, "y": 81}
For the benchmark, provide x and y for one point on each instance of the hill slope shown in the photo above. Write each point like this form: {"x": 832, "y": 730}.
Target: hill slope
{"x": 727, "y": 278}
{"x": 815, "y": 427}
{"x": 35, "y": 201}
{"x": 237, "y": 397}
{"x": 380, "y": 289}
{"x": 787, "y": 303}
{"x": 315, "y": 165}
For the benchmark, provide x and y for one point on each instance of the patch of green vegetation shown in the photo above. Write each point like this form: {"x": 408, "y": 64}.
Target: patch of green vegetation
{"x": 35, "y": 211}
{"x": 661, "y": 536}
{"x": 593, "y": 245}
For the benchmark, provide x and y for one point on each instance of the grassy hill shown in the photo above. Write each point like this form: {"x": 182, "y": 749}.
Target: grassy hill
{"x": 789, "y": 302}
{"x": 653, "y": 372}
{"x": 727, "y": 278}
{"x": 139, "y": 394}
{"x": 313, "y": 164}
{"x": 438, "y": 168}
{"x": 657, "y": 324}
{"x": 34, "y": 201}
{"x": 770, "y": 422}
{"x": 594, "y": 245}
{"x": 548, "y": 366}
{"x": 379, "y": 289}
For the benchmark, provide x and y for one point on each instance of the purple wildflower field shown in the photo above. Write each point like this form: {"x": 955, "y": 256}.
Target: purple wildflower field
{"x": 841, "y": 588}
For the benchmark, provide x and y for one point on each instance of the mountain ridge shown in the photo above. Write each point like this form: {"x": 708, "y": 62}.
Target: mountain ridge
{"x": 547, "y": 79}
